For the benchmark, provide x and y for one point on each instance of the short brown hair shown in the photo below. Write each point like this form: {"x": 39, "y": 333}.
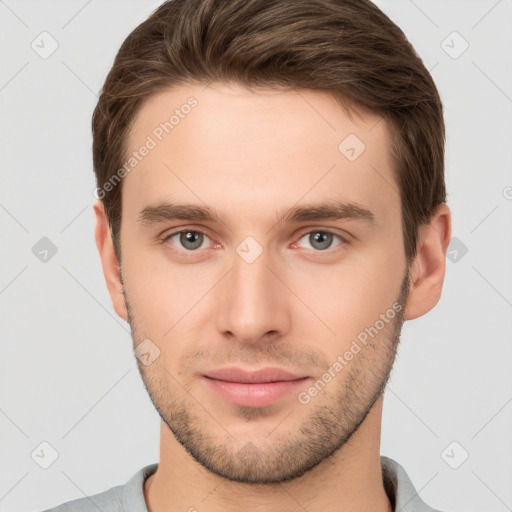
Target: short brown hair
{"x": 347, "y": 48}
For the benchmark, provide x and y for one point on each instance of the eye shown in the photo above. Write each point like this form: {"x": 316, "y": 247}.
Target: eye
{"x": 321, "y": 240}
{"x": 192, "y": 240}
{"x": 189, "y": 239}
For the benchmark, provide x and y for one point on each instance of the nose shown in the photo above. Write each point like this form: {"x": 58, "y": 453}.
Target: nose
{"x": 253, "y": 302}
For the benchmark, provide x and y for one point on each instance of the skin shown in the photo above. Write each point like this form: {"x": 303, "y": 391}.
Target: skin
{"x": 296, "y": 306}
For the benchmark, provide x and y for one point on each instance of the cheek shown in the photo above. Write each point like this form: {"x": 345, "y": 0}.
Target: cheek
{"x": 333, "y": 302}
{"x": 160, "y": 291}
{"x": 347, "y": 298}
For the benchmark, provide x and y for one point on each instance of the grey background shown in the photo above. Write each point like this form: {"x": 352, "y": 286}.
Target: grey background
{"x": 68, "y": 374}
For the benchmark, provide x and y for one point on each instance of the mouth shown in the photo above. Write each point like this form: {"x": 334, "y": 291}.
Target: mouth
{"x": 258, "y": 388}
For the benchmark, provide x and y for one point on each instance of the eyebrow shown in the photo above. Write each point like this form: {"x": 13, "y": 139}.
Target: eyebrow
{"x": 333, "y": 210}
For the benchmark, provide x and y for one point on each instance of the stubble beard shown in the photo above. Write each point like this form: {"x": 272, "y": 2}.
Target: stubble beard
{"x": 331, "y": 420}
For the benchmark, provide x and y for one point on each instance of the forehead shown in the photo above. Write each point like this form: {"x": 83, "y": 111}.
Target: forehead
{"x": 241, "y": 149}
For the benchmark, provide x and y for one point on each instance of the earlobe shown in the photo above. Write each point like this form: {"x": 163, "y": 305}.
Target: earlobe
{"x": 109, "y": 261}
{"x": 429, "y": 266}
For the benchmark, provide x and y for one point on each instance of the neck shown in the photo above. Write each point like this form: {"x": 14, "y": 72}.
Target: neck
{"x": 349, "y": 480}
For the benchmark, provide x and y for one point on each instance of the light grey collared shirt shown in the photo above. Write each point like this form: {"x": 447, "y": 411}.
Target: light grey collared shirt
{"x": 130, "y": 496}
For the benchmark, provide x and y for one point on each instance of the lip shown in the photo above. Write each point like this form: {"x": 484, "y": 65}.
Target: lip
{"x": 263, "y": 375}
{"x": 257, "y": 388}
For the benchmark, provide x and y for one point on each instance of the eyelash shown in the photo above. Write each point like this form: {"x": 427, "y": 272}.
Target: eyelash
{"x": 343, "y": 241}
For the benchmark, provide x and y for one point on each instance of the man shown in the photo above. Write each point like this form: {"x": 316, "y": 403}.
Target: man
{"x": 271, "y": 208}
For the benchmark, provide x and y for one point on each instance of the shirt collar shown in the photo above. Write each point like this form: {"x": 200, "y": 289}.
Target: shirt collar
{"x": 398, "y": 486}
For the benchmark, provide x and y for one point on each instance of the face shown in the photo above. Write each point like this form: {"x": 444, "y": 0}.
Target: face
{"x": 264, "y": 273}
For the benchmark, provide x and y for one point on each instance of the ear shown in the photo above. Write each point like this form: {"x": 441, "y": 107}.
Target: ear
{"x": 109, "y": 261}
{"x": 429, "y": 265}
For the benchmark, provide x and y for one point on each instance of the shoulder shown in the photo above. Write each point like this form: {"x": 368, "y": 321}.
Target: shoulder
{"x": 120, "y": 498}
{"x": 106, "y": 501}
